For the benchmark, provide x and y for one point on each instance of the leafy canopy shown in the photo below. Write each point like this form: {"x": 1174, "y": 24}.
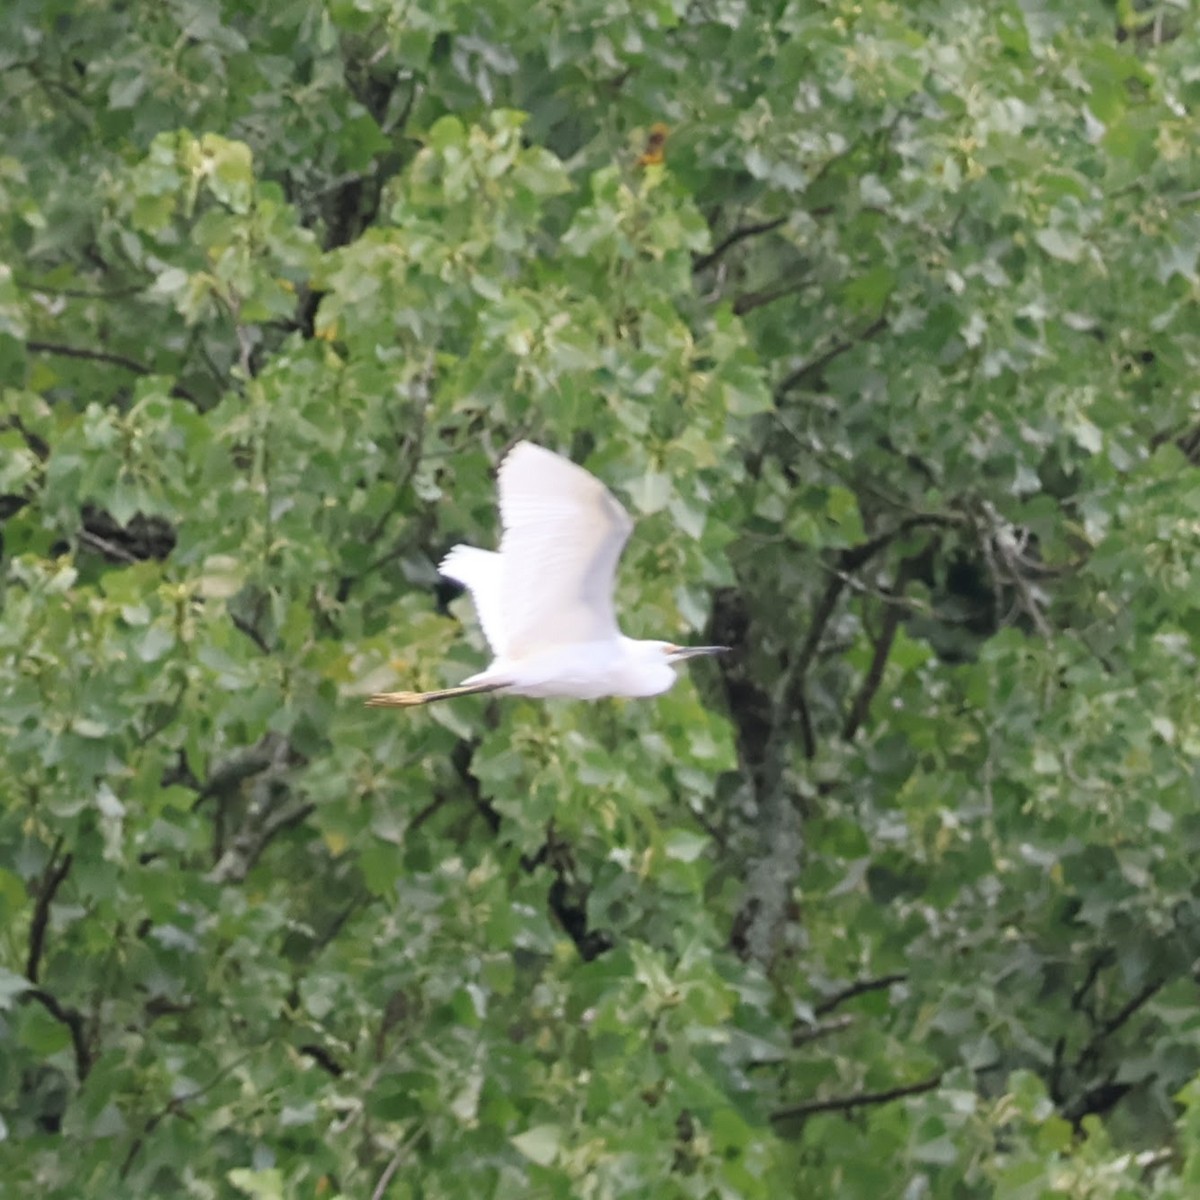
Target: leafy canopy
{"x": 893, "y": 356}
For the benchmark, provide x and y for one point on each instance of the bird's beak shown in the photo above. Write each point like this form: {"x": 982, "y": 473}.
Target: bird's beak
{"x": 679, "y": 653}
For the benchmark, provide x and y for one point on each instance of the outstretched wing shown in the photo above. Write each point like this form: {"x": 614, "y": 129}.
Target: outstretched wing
{"x": 563, "y": 535}
{"x": 479, "y": 572}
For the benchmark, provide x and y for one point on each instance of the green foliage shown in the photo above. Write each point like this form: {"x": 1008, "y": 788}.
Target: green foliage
{"x": 894, "y": 359}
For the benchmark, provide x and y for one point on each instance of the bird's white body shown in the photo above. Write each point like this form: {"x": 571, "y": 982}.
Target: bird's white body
{"x": 584, "y": 671}
{"x": 545, "y": 598}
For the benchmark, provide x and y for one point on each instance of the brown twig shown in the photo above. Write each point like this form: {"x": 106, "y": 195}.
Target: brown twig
{"x": 323, "y": 1059}
{"x": 817, "y": 365}
{"x": 252, "y": 839}
{"x": 52, "y": 879}
{"x": 873, "y": 679}
{"x": 804, "y": 1034}
{"x": 850, "y": 559}
{"x": 424, "y": 814}
{"x": 749, "y": 301}
{"x": 704, "y": 261}
{"x": 857, "y": 1100}
{"x": 1092, "y": 1050}
{"x": 177, "y": 1107}
{"x": 247, "y": 628}
{"x": 822, "y": 615}
{"x": 124, "y": 293}
{"x": 860, "y": 987}
{"x": 73, "y": 1019}
{"x": 104, "y": 546}
{"x": 106, "y": 356}
{"x": 229, "y": 774}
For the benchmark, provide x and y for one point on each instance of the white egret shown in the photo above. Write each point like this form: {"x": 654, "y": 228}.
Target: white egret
{"x": 545, "y": 598}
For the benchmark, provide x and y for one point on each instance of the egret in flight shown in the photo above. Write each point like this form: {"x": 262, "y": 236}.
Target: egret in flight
{"x": 545, "y": 598}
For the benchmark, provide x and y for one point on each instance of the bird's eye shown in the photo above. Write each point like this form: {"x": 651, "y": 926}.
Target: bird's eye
{"x": 669, "y": 649}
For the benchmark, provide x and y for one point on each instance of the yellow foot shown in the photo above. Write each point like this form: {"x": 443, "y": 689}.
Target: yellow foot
{"x": 398, "y": 699}
{"x": 414, "y": 699}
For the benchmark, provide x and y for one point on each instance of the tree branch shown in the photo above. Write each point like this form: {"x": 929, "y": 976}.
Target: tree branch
{"x": 245, "y": 627}
{"x": 1098, "y": 1099}
{"x": 133, "y": 289}
{"x": 852, "y": 558}
{"x": 822, "y": 615}
{"x": 749, "y": 301}
{"x": 567, "y": 898}
{"x": 818, "y": 364}
{"x": 764, "y": 909}
{"x": 857, "y": 1100}
{"x": 432, "y": 807}
{"x": 860, "y": 987}
{"x": 229, "y": 774}
{"x": 104, "y": 356}
{"x": 1105, "y": 958}
{"x": 460, "y": 759}
{"x": 804, "y": 1034}
{"x": 177, "y": 1107}
{"x": 323, "y": 1059}
{"x": 109, "y": 549}
{"x": 882, "y": 650}
{"x": 1129, "y": 1009}
{"x": 52, "y": 879}
{"x": 1091, "y": 1051}
{"x": 73, "y": 1019}
{"x": 704, "y": 261}
{"x": 270, "y": 809}
{"x": 253, "y": 838}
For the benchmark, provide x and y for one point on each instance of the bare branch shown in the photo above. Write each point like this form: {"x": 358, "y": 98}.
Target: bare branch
{"x": 73, "y": 1019}
{"x": 817, "y": 365}
{"x": 852, "y": 558}
{"x": 857, "y": 1100}
{"x": 749, "y": 301}
{"x": 177, "y": 1107}
{"x": 231, "y": 772}
{"x": 804, "y": 1034}
{"x": 52, "y": 879}
{"x": 704, "y": 261}
{"x": 109, "y": 549}
{"x": 860, "y": 987}
{"x": 822, "y": 615}
{"x": 123, "y": 293}
{"x": 1105, "y": 958}
{"x": 323, "y": 1059}
{"x": 432, "y": 807}
{"x": 1131, "y": 1007}
{"x": 394, "y": 1164}
{"x": 252, "y": 839}
{"x": 271, "y": 808}
{"x": 104, "y": 356}
{"x": 1002, "y": 545}
{"x": 244, "y": 626}
{"x": 882, "y": 650}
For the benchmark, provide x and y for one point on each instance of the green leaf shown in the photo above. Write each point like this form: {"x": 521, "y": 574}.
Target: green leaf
{"x": 263, "y": 1185}
{"x": 1060, "y": 243}
{"x": 11, "y": 986}
{"x": 539, "y": 1144}
{"x": 685, "y": 846}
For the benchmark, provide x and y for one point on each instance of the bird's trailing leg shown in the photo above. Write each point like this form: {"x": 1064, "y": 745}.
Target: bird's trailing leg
{"x": 415, "y": 699}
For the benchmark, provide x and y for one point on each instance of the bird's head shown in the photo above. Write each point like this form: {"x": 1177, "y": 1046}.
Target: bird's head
{"x": 653, "y": 665}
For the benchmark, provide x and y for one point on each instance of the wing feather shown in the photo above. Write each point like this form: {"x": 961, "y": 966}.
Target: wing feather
{"x": 479, "y": 571}
{"x": 563, "y": 536}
